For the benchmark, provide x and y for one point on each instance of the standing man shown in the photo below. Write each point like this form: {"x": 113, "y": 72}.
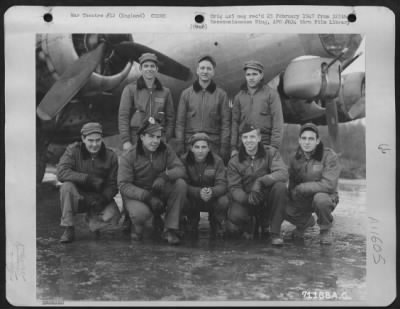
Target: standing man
{"x": 207, "y": 186}
{"x": 147, "y": 98}
{"x": 88, "y": 171}
{"x": 256, "y": 182}
{"x": 313, "y": 179}
{"x": 258, "y": 105}
{"x": 149, "y": 179}
{"x": 204, "y": 107}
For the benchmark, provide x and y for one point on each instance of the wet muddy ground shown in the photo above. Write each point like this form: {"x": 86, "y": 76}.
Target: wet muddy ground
{"x": 112, "y": 268}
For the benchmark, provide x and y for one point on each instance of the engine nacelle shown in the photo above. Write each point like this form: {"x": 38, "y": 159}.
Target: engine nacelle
{"x": 310, "y": 79}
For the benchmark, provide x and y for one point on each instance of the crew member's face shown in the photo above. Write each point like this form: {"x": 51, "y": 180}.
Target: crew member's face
{"x": 93, "y": 142}
{"x": 149, "y": 69}
{"x": 200, "y": 150}
{"x": 308, "y": 141}
{"x": 151, "y": 141}
{"x": 205, "y": 71}
{"x": 250, "y": 141}
{"x": 253, "y": 77}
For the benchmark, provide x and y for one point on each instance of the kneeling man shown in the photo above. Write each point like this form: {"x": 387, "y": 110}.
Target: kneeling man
{"x": 150, "y": 181}
{"x": 88, "y": 171}
{"x": 256, "y": 181}
{"x": 313, "y": 179}
{"x": 207, "y": 186}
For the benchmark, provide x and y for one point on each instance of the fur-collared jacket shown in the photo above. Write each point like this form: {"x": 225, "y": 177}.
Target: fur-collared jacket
{"x": 263, "y": 110}
{"x": 243, "y": 170}
{"x": 139, "y": 168}
{"x": 138, "y": 103}
{"x": 319, "y": 173}
{"x": 76, "y": 164}
{"x": 211, "y": 173}
{"x": 204, "y": 111}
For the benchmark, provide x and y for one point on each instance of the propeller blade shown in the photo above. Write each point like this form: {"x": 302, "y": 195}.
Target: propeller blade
{"x": 350, "y": 61}
{"x": 332, "y": 121}
{"x": 70, "y": 82}
{"x": 167, "y": 65}
{"x": 358, "y": 109}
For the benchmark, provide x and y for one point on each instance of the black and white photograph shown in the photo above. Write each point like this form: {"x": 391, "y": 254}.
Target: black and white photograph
{"x": 220, "y": 159}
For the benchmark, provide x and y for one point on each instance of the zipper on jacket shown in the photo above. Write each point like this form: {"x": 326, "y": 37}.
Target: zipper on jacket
{"x": 92, "y": 157}
{"x": 202, "y": 109}
{"x": 306, "y": 165}
{"x": 151, "y": 101}
{"x": 252, "y": 163}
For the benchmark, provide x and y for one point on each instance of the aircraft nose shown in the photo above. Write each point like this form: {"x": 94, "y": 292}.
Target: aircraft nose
{"x": 334, "y": 44}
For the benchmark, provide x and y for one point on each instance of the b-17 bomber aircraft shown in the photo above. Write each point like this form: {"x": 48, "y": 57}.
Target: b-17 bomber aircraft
{"x": 80, "y": 77}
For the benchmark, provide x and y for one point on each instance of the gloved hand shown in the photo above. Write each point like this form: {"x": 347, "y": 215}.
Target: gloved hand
{"x": 206, "y": 194}
{"x": 256, "y": 186}
{"x": 234, "y": 152}
{"x": 94, "y": 182}
{"x": 95, "y": 201}
{"x": 156, "y": 205}
{"x": 127, "y": 145}
{"x": 297, "y": 192}
{"x": 255, "y": 198}
{"x": 158, "y": 184}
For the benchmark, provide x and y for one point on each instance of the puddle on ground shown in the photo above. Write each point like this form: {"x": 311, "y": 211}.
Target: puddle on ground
{"x": 112, "y": 268}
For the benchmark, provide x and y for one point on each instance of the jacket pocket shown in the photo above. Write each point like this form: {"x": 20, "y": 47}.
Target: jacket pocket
{"x": 215, "y": 119}
{"x": 209, "y": 176}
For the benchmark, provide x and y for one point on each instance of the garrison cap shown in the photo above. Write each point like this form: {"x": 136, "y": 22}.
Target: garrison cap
{"x": 199, "y": 137}
{"x": 208, "y": 58}
{"x": 91, "y": 127}
{"x": 253, "y": 64}
{"x": 247, "y": 127}
{"x": 310, "y": 127}
{"x": 148, "y": 57}
{"x": 150, "y": 126}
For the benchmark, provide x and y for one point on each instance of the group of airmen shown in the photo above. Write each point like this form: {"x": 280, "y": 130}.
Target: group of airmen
{"x": 205, "y": 157}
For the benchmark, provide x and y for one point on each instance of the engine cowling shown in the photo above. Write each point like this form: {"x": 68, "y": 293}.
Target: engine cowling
{"x": 309, "y": 78}
{"x": 59, "y": 51}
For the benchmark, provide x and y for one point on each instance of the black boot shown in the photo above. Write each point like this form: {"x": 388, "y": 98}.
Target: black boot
{"x": 158, "y": 225}
{"x": 171, "y": 237}
{"x": 126, "y": 225}
{"x": 68, "y": 235}
{"x": 136, "y": 232}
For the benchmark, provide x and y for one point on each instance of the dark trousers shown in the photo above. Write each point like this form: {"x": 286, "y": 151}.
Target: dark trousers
{"x": 270, "y": 213}
{"x": 72, "y": 202}
{"x": 216, "y": 209}
{"x": 173, "y": 195}
{"x": 298, "y": 212}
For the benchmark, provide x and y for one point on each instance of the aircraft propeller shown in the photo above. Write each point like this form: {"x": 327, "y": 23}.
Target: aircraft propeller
{"x": 77, "y": 75}
{"x": 315, "y": 78}
{"x": 332, "y": 120}
{"x": 69, "y": 83}
{"x": 167, "y": 66}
